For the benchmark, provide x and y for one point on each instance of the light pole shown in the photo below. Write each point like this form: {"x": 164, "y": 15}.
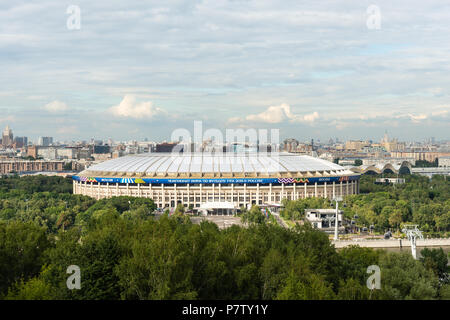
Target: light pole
{"x": 336, "y": 222}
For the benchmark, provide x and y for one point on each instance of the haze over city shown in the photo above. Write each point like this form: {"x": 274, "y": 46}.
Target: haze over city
{"x": 315, "y": 70}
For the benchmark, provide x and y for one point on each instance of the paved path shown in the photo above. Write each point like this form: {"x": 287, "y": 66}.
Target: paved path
{"x": 280, "y": 221}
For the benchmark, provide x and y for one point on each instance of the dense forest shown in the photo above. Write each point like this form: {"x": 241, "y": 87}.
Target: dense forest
{"x": 125, "y": 252}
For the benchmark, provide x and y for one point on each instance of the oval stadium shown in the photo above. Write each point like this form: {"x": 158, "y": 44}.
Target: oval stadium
{"x": 221, "y": 180}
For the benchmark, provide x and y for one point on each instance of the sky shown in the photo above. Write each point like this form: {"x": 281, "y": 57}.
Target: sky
{"x": 136, "y": 69}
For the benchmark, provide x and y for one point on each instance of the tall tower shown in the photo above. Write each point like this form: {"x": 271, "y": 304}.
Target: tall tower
{"x": 385, "y": 138}
{"x": 7, "y": 137}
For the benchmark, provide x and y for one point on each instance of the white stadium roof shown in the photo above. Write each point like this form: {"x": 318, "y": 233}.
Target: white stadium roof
{"x": 218, "y": 164}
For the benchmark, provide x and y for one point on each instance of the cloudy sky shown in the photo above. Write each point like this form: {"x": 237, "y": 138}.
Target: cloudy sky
{"x": 313, "y": 69}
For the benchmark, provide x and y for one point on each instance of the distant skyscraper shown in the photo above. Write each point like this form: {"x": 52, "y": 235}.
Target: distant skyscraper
{"x": 20, "y": 142}
{"x": 7, "y": 137}
{"x": 45, "y": 141}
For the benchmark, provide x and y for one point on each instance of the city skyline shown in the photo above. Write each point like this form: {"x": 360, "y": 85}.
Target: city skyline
{"x": 146, "y": 71}
{"x": 336, "y": 140}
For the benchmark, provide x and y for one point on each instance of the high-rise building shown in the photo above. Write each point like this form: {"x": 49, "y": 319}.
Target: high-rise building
{"x": 20, "y": 142}
{"x": 101, "y": 149}
{"x": 45, "y": 141}
{"x": 356, "y": 145}
{"x": 7, "y": 137}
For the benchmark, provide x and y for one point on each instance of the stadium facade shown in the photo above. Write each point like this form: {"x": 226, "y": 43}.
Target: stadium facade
{"x": 195, "y": 178}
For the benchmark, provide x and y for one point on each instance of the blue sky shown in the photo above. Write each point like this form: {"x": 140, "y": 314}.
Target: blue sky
{"x": 140, "y": 69}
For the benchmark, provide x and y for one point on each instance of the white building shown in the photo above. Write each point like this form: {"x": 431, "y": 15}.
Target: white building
{"x": 324, "y": 219}
{"x": 55, "y": 153}
{"x": 444, "y": 161}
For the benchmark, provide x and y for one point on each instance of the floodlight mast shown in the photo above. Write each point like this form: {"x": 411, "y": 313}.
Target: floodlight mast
{"x": 412, "y": 233}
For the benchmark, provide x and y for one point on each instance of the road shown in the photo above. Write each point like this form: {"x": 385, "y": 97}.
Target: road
{"x": 392, "y": 243}
{"x": 280, "y": 221}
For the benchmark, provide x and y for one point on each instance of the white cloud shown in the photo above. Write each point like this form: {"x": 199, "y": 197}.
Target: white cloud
{"x": 310, "y": 117}
{"x": 273, "y": 114}
{"x": 277, "y": 114}
{"x": 417, "y": 118}
{"x": 129, "y": 108}
{"x": 441, "y": 113}
{"x": 56, "y": 106}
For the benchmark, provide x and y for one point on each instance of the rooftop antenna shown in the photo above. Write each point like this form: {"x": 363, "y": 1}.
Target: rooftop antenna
{"x": 412, "y": 232}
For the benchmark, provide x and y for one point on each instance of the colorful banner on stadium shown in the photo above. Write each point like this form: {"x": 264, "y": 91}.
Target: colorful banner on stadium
{"x": 217, "y": 181}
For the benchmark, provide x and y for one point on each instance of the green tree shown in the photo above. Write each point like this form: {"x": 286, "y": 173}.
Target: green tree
{"x": 21, "y": 252}
{"x": 179, "y": 210}
{"x": 34, "y": 289}
{"x": 402, "y": 277}
{"x": 308, "y": 286}
{"x": 352, "y": 289}
{"x": 435, "y": 260}
{"x": 254, "y": 216}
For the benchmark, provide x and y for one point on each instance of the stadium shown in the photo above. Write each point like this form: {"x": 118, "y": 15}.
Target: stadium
{"x": 220, "y": 182}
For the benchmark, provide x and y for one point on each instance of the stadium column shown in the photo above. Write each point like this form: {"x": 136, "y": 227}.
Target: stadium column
{"x": 195, "y": 198}
{"x": 117, "y": 189}
{"x": 334, "y": 189}
{"x": 315, "y": 189}
{"x": 213, "y": 193}
{"x": 128, "y": 189}
{"x": 245, "y": 194}
{"x": 257, "y": 193}
{"x": 282, "y": 192}
{"x": 98, "y": 191}
{"x": 340, "y": 188}
{"x": 201, "y": 193}
{"x": 294, "y": 197}
{"x": 346, "y": 188}
{"x": 270, "y": 193}
{"x": 188, "y": 196}
{"x": 139, "y": 189}
{"x": 325, "y": 189}
{"x": 151, "y": 192}
{"x": 232, "y": 194}
{"x": 92, "y": 189}
{"x": 220, "y": 191}
{"x": 305, "y": 187}
{"x": 163, "y": 196}
{"x": 176, "y": 194}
